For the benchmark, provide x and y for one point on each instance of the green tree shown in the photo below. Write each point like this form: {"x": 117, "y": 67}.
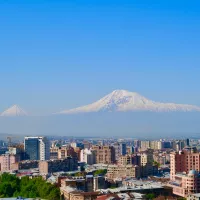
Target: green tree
{"x": 150, "y": 196}
{"x": 11, "y": 186}
{"x": 100, "y": 172}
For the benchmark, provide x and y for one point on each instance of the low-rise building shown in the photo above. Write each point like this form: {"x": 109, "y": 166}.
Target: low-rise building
{"x": 193, "y": 196}
{"x": 186, "y": 184}
{"x": 65, "y": 165}
{"x": 28, "y": 164}
{"x": 7, "y": 160}
{"x": 123, "y": 171}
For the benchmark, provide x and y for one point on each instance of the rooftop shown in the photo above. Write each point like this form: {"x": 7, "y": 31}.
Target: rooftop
{"x": 196, "y": 195}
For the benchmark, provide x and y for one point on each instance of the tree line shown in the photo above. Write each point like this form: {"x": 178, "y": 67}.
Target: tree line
{"x": 12, "y": 186}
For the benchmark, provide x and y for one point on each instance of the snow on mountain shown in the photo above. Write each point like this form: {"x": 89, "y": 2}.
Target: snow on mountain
{"x": 14, "y": 111}
{"x": 122, "y": 101}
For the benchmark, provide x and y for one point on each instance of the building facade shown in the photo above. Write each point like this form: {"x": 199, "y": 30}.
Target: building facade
{"x": 185, "y": 184}
{"x": 65, "y": 165}
{"x": 184, "y": 161}
{"x": 7, "y": 160}
{"x": 120, "y": 171}
{"x": 104, "y": 154}
{"x": 36, "y": 148}
{"x": 88, "y": 156}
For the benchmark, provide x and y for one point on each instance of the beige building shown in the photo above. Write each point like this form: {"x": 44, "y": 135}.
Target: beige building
{"x": 125, "y": 160}
{"x": 104, "y": 154}
{"x": 155, "y": 145}
{"x": 145, "y": 144}
{"x": 71, "y": 193}
{"x": 193, "y": 196}
{"x": 119, "y": 171}
{"x": 147, "y": 163}
{"x": 63, "y": 152}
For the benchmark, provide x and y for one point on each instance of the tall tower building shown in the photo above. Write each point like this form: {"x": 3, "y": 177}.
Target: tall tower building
{"x": 44, "y": 148}
{"x": 123, "y": 149}
{"x": 120, "y": 150}
{"x": 37, "y": 148}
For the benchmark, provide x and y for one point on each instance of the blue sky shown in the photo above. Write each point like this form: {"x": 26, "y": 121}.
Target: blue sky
{"x": 60, "y": 54}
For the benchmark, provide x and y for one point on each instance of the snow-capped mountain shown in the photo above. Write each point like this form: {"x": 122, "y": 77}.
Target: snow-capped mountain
{"x": 14, "y": 111}
{"x": 122, "y": 101}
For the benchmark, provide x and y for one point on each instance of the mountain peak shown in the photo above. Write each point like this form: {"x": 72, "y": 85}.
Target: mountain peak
{"x": 123, "y": 100}
{"x": 122, "y": 93}
{"x": 14, "y": 111}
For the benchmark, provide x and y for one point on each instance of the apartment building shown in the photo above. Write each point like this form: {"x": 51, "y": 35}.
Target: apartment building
{"x": 7, "y": 160}
{"x": 123, "y": 171}
{"x": 147, "y": 144}
{"x": 104, "y": 154}
{"x": 147, "y": 163}
{"x": 120, "y": 150}
{"x": 185, "y": 184}
{"x": 184, "y": 161}
{"x": 65, "y": 165}
{"x": 88, "y": 156}
{"x": 125, "y": 160}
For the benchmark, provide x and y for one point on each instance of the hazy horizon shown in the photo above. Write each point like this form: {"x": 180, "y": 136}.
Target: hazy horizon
{"x": 59, "y": 55}
{"x": 137, "y": 124}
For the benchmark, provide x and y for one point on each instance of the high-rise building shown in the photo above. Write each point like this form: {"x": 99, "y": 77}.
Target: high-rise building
{"x": 184, "y": 161}
{"x": 187, "y": 142}
{"x": 37, "y": 148}
{"x": 120, "y": 150}
{"x": 88, "y": 156}
{"x": 137, "y": 143}
{"x": 123, "y": 149}
{"x": 145, "y": 144}
{"x": 104, "y": 154}
{"x": 44, "y": 148}
{"x": 147, "y": 163}
{"x": 117, "y": 151}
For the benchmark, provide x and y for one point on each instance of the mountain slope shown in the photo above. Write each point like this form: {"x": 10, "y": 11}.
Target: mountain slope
{"x": 122, "y": 101}
{"x": 14, "y": 111}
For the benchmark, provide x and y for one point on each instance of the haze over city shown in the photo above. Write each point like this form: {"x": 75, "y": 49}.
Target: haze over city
{"x": 99, "y": 100}
{"x": 60, "y": 55}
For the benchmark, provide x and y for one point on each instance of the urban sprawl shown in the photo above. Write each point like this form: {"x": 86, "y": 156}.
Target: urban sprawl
{"x": 107, "y": 168}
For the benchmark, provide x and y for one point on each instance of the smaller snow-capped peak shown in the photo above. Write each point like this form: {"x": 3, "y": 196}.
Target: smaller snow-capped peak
{"x": 14, "y": 111}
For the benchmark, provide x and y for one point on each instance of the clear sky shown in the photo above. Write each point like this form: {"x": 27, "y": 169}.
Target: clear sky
{"x": 60, "y": 54}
